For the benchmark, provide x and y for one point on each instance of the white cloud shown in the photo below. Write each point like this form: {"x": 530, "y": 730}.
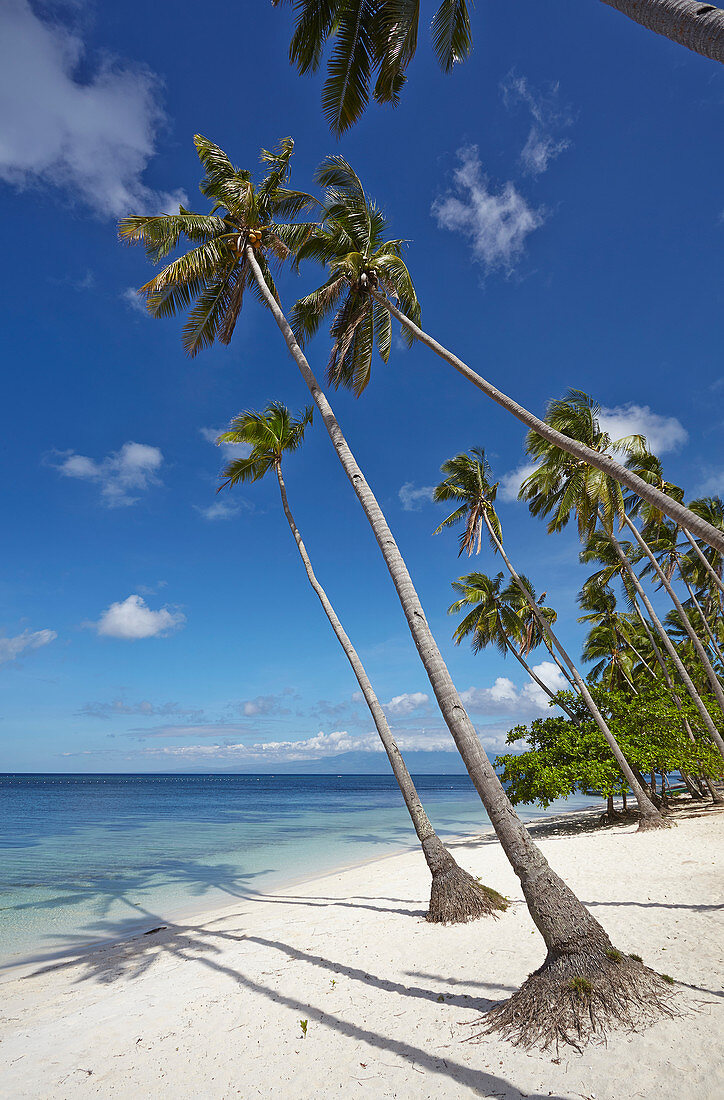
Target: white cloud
{"x": 543, "y": 143}
{"x": 133, "y": 468}
{"x": 401, "y": 705}
{"x": 132, "y": 619}
{"x": 503, "y": 697}
{"x": 663, "y": 433}
{"x": 509, "y": 485}
{"x": 68, "y": 121}
{"x": 412, "y": 499}
{"x": 497, "y": 223}
{"x": 552, "y": 677}
{"x": 132, "y": 300}
{"x": 11, "y": 648}
{"x": 220, "y": 509}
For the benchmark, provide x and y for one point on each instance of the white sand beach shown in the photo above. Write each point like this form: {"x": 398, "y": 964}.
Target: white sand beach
{"x": 212, "y": 1007}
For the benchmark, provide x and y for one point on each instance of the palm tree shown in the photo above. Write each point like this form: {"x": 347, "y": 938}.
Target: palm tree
{"x": 346, "y": 203}
{"x": 369, "y": 36}
{"x": 381, "y": 36}
{"x": 495, "y": 619}
{"x": 560, "y": 487}
{"x": 351, "y": 243}
{"x": 608, "y": 639}
{"x": 455, "y": 895}
{"x": 544, "y": 1009}
{"x": 710, "y": 509}
{"x": 468, "y": 484}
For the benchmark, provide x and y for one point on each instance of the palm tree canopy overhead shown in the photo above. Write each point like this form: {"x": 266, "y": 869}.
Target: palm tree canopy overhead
{"x": 208, "y": 281}
{"x": 468, "y": 484}
{"x": 351, "y": 243}
{"x": 562, "y": 484}
{"x": 270, "y": 434}
{"x": 370, "y": 36}
{"x": 498, "y": 615}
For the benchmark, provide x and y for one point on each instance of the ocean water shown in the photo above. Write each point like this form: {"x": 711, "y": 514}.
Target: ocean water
{"x": 85, "y": 858}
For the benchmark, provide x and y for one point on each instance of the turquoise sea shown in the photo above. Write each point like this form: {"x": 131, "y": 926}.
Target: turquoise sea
{"x": 85, "y": 858}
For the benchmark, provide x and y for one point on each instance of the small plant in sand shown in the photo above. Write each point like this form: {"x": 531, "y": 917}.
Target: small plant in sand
{"x": 303, "y": 1026}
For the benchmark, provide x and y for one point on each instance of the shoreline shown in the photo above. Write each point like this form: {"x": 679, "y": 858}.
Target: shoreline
{"x": 213, "y": 1008}
{"x": 204, "y": 913}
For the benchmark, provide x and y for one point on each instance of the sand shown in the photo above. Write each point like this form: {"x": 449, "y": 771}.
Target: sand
{"x": 211, "y": 1007}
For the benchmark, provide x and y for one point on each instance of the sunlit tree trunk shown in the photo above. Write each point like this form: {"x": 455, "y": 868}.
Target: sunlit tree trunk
{"x": 699, "y": 27}
{"x": 705, "y": 562}
{"x": 456, "y": 896}
{"x": 576, "y": 942}
{"x": 663, "y": 503}
{"x": 701, "y": 653}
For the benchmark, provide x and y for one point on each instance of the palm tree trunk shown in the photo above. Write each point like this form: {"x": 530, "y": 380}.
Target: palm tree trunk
{"x": 703, "y": 656}
{"x": 699, "y": 27}
{"x": 668, "y": 644}
{"x": 666, "y": 504}
{"x": 649, "y": 818}
{"x": 577, "y": 946}
{"x": 539, "y": 682}
{"x": 705, "y": 561}
{"x": 704, "y": 620}
{"x": 455, "y": 895}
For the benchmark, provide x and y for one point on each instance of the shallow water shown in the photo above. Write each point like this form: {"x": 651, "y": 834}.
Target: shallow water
{"x": 90, "y": 857}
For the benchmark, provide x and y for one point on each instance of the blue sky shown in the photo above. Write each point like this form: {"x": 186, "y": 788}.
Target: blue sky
{"x": 562, "y": 192}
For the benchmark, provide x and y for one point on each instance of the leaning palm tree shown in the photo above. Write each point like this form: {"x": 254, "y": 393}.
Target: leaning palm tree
{"x": 455, "y": 895}
{"x": 494, "y": 619}
{"x": 468, "y": 483}
{"x": 608, "y": 640}
{"x": 381, "y": 36}
{"x": 387, "y": 284}
{"x": 561, "y": 486}
{"x": 545, "y": 1009}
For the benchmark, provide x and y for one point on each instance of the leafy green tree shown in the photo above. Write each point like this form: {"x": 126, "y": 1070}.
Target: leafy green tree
{"x": 380, "y": 36}
{"x": 272, "y": 434}
{"x": 542, "y": 1010}
{"x": 562, "y": 758}
{"x": 468, "y": 484}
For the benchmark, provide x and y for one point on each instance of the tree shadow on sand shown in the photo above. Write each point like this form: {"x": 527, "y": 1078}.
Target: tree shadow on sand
{"x": 204, "y": 947}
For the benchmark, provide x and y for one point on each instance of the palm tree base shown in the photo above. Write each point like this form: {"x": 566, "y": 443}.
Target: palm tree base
{"x": 653, "y": 821}
{"x": 456, "y": 897}
{"x": 575, "y": 997}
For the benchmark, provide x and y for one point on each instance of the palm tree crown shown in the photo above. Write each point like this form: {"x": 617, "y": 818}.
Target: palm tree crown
{"x": 468, "y": 484}
{"x": 210, "y": 279}
{"x": 371, "y": 35}
{"x": 270, "y": 434}
{"x": 562, "y": 484}
{"x": 350, "y": 242}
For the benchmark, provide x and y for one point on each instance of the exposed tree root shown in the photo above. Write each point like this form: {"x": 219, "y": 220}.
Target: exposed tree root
{"x": 457, "y": 897}
{"x": 653, "y": 821}
{"x": 573, "y": 998}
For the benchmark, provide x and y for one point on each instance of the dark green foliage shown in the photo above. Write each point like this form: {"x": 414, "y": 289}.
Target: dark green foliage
{"x": 369, "y": 36}
{"x": 562, "y": 758}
